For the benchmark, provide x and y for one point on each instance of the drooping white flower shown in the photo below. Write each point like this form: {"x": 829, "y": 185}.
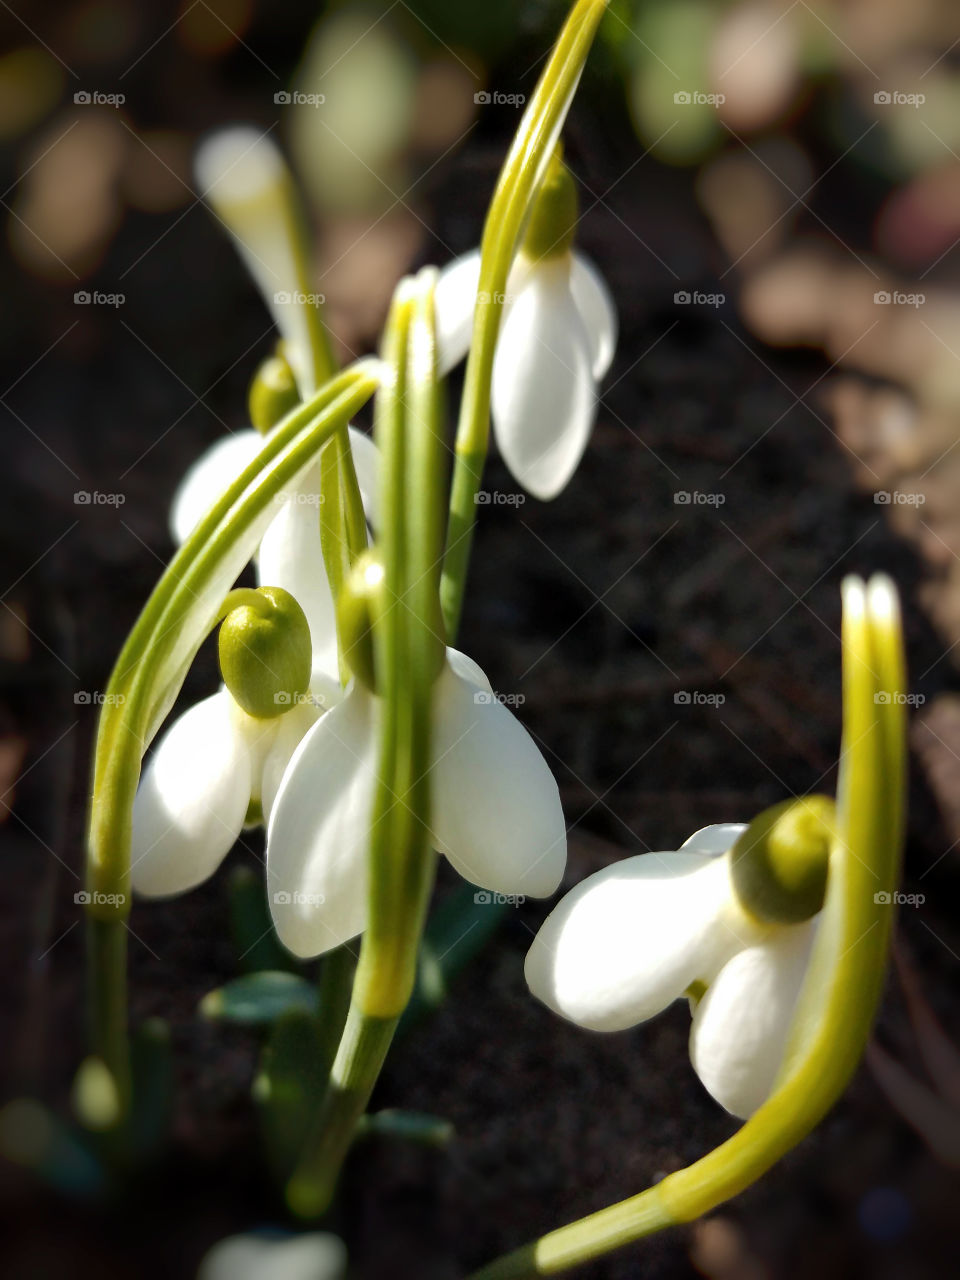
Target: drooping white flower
{"x": 290, "y": 554}
{"x": 220, "y": 763}
{"x": 557, "y": 339}
{"x": 632, "y": 938}
{"x": 246, "y": 181}
{"x": 495, "y": 811}
{"x": 209, "y": 768}
{"x": 314, "y": 1255}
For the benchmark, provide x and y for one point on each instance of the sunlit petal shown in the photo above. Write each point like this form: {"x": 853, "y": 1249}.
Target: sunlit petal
{"x": 740, "y": 1026}
{"x": 192, "y": 800}
{"x": 631, "y": 938}
{"x": 496, "y": 808}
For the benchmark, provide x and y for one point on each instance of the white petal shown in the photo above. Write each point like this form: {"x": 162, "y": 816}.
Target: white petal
{"x": 315, "y": 1255}
{"x": 212, "y": 473}
{"x": 291, "y": 557}
{"x": 319, "y": 830}
{"x": 740, "y": 1026}
{"x": 716, "y": 839}
{"x": 631, "y": 938}
{"x": 455, "y": 299}
{"x": 192, "y": 800}
{"x": 366, "y": 463}
{"x": 246, "y": 181}
{"x": 496, "y": 807}
{"x": 292, "y": 728}
{"x": 544, "y": 395}
{"x": 597, "y": 311}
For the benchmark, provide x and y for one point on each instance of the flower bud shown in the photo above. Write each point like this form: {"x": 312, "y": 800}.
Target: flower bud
{"x": 265, "y": 654}
{"x": 779, "y": 864}
{"x": 553, "y": 218}
{"x": 361, "y": 600}
{"x": 273, "y": 393}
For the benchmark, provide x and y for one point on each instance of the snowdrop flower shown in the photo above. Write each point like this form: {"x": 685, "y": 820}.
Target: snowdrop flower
{"x": 290, "y": 554}
{"x": 557, "y": 339}
{"x": 495, "y": 810}
{"x": 219, "y": 765}
{"x": 728, "y": 920}
{"x": 315, "y": 1255}
{"x": 245, "y": 180}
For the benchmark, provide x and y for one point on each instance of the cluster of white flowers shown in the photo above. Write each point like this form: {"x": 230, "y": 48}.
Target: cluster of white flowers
{"x": 627, "y": 941}
{"x": 309, "y": 770}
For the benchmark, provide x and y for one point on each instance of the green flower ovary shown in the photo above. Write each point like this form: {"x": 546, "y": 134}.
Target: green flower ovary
{"x": 265, "y": 654}
{"x": 779, "y": 864}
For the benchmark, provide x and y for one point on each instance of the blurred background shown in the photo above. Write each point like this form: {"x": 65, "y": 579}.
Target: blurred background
{"x": 772, "y": 189}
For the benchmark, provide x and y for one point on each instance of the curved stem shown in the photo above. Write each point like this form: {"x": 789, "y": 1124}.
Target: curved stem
{"x": 519, "y": 179}
{"x": 842, "y": 986}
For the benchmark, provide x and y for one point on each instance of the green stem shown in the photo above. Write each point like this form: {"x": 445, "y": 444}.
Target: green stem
{"x": 516, "y": 189}
{"x": 107, "y": 1001}
{"x": 353, "y": 1076}
{"x": 337, "y": 971}
{"x": 151, "y": 667}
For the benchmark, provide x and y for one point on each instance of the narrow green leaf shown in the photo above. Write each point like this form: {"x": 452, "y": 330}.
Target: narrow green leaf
{"x": 256, "y": 999}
